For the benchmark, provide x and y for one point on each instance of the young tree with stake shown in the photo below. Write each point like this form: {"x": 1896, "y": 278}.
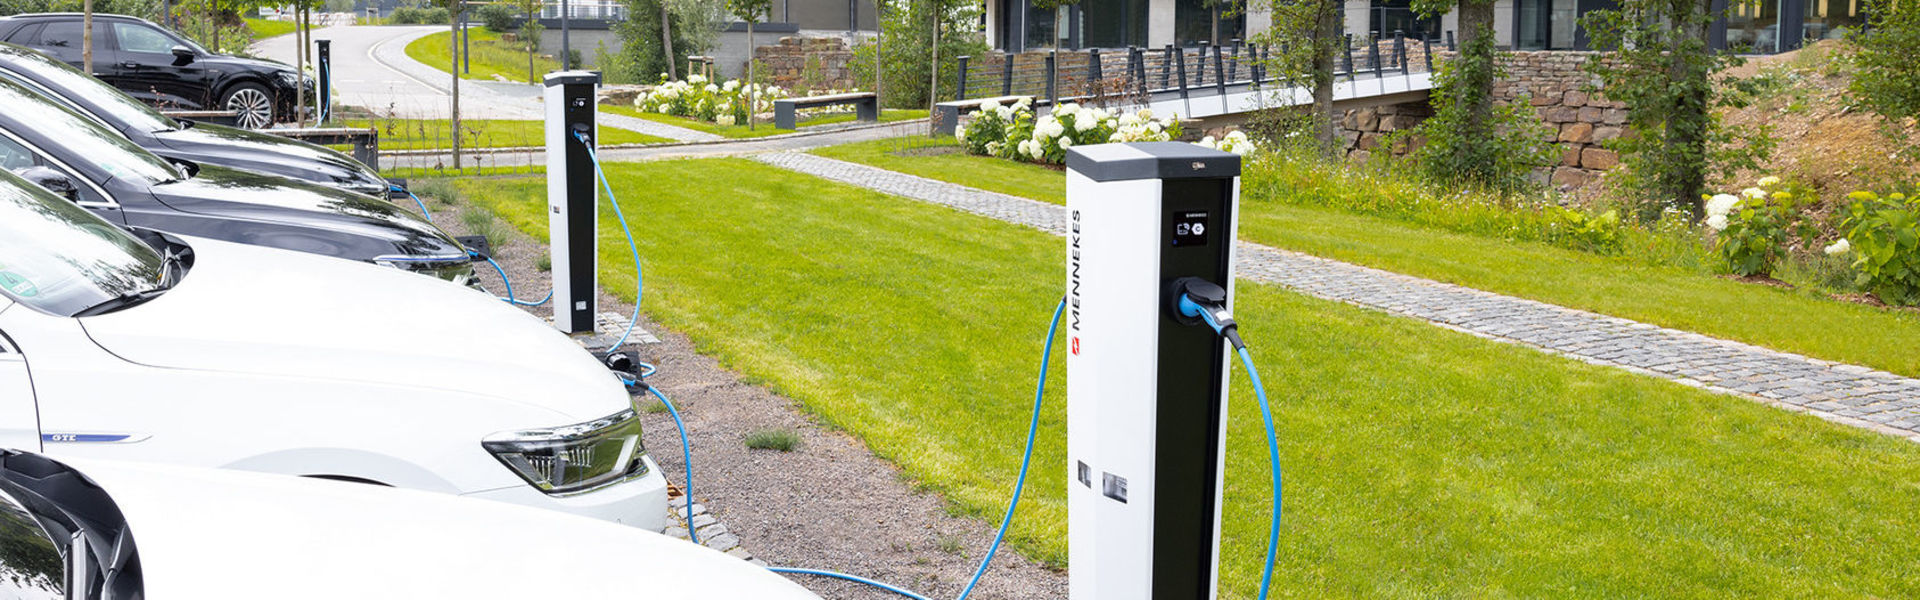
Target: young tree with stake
{"x": 750, "y": 11}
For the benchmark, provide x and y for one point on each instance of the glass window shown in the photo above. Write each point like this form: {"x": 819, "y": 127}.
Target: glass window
{"x": 14, "y": 156}
{"x": 103, "y": 148}
{"x": 140, "y": 38}
{"x": 62, "y": 34}
{"x": 61, "y": 259}
{"x": 1194, "y": 21}
{"x": 1753, "y": 27}
{"x": 24, "y": 35}
{"x": 1041, "y": 28}
{"x": 1112, "y": 23}
{"x": 1832, "y": 19}
{"x": 1388, "y": 16}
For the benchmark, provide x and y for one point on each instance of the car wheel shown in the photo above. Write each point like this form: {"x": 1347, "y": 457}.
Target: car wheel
{"x": 252, "y": 105}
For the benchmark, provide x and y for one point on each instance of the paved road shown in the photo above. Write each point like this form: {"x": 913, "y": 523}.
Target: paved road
{"x": 1841, "y": 393}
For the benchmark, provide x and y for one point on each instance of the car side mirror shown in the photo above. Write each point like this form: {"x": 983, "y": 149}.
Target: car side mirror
{"x": 54, "y": 181}
{"x": 182, "y": 55}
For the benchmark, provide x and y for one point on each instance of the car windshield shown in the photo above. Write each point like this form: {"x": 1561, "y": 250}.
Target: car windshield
{"x": 84, "y": 89}
{"x": 61, "y": 259}
{"x": 83, "y": 137}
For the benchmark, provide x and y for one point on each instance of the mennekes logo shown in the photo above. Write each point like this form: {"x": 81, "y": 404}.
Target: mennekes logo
{"x": 1073, "y": 282}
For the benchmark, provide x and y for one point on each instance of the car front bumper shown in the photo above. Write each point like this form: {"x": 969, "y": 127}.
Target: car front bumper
{"x": 639, "y": 502}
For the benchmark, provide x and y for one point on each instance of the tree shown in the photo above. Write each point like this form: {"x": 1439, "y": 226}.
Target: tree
{"x": 1304, "y": 39}
{"x": 1470, "y": 140}
{"x": 454, "y": 10}
{"x": 1659, "y": 64}
{"x": 651, "y": 48}
{"x": 1886, "y": 77}
{"x": 530, "y": 34}
{"x": 750, "y": 11}
{"x": 912, "y": 52}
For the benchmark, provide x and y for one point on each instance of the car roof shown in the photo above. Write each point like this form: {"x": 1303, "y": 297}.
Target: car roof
{"x": 68, "y": 15}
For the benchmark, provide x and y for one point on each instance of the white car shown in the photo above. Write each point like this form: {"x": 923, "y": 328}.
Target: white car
{"x": 198, "y": 352}
{"x": 114, "y": 531}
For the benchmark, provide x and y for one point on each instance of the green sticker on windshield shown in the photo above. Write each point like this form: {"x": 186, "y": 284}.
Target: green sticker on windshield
{"x": 20, "y": 286}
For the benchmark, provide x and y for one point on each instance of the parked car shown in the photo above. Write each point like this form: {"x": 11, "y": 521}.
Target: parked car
{"x": 185, "y": 139}
{"x": 87, "y": 529}
{"x": 164, "y": 68}
{"x": 127, "y": 185}
{"x": 155, "y": 347}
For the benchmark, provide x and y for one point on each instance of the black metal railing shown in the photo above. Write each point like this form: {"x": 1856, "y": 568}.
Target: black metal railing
{"x": 1140, "y": 73}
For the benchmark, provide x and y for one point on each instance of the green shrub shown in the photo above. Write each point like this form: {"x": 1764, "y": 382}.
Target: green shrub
{"x": 498, "y": 18}
{"x": 410, "y": 15}
{"x": 1885, "y": 232}
{"x": 784, "y": 440}
{"x": 1886, "y": 78}
{"x": 1758, "y": 228}
{"x": 1599, "y": 234}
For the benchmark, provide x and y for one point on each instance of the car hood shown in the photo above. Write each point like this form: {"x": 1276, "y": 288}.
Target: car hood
{"x": 217, "y": 535}
{"x": 254, "y": 64}
{"x": 231, "y": 193}
{"x": 301, "y": 318}
{"x": 260, "y": 152}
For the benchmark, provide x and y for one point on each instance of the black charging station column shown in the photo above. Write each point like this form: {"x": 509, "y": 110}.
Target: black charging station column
{"x": 1146, "y": 387}
{"x": 325, "y": 86}
{"x": 571, "y": 196}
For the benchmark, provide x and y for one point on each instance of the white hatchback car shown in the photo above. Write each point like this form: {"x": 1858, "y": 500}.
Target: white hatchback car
{"x": 199, "y": 352}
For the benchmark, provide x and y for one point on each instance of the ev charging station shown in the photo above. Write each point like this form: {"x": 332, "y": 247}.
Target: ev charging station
{"x": 571, "y": 197}
{"x": 1146, "y": 387}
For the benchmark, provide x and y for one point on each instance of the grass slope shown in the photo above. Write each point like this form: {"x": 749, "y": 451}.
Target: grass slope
{"x": 1421, "y": 462}
{"x": 423, "y": 134}
{"x": 760, "y": 129}
{"x": 489, "y": 56}
{"x": 266, "y": 28}
{"x": 1670, "y": 297}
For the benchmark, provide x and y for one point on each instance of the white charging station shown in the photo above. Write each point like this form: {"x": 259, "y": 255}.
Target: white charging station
{"x": 572, "y": 207}
{"x": 1146, "y": 388}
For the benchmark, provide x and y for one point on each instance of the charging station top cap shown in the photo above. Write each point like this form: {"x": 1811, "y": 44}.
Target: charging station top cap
{"x": 571, "y": 77}
{"x": 1151, "y": 160}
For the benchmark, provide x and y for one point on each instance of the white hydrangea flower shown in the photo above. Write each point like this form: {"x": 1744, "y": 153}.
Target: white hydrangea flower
{"x": 1717, "y": 222}
{"x": 1754, "y": 193}
{"x": 696, "y": 79}
{"x": 1082, "y": 123}
{"x": 1721, "y": 204}
{"x": 1066, "y": 109}
{"x": 989, "y": 106}
{"x": 713, "y": 89}
{"x": 994, "y": 147}
{"x": 1155, "y": 127}
{"x": 1129, "y": 120}
{"x": 1066, "y": 142}
{"x": 1841, "y": 247}
{"x": 1769, "y": 181}
{"x": 731, "y": 85}
{"x": 1146, "y": 114}
{"x": 726, "y": 119}
{"x": 1207, "y": 142}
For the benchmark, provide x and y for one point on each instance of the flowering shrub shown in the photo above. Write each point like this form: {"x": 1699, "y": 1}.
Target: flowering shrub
{"x": 1012, "y": 131}
{"x": 1235, "y": 142}
{"x": 1754, "y": 228}
{"x": 1885, "y": 231}
{"x": 697, "y": 98}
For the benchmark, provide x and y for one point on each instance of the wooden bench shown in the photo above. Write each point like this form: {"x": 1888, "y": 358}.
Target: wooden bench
{"x": 365, "y": 140}
{"x": 217, "y": 117}
{"x": 786, "y": 110}
{"x": 946, "y": 115}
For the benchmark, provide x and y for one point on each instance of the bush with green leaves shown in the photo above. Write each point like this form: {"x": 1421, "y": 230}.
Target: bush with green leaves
{"x": 1885, "y": 234}
{"x": 1013, "y": 132}
{"x": 498, "y": 18}
{"x": 1886, "y": 78}
{"x": 907, "y": 50}
{"x": 411, "y": 15}
{"x": 1487, "y": 145}
{"x": 1758, "y": 228}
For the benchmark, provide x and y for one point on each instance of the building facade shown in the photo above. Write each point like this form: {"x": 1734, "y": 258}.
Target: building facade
{"x": 1018, "y": 25}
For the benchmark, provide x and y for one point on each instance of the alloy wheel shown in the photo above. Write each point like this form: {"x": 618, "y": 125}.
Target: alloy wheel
{"x": 254, "y": 108}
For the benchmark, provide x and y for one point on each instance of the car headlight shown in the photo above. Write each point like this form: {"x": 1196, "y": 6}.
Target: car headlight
{"x": 457, "y": 268}
{"x": 289, "y": 77}
{"x": 574, "y": 458}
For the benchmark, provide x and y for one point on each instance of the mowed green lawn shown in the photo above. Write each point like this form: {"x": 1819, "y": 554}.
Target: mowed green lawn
{"x": 488, "y": 56}
{"x": 427, "y": 134}
{"x": 266, "y": 28}
{"x": 1665, "y": 296}
{"x": 1419, "y": 462}
{"x": 762, "y": 129}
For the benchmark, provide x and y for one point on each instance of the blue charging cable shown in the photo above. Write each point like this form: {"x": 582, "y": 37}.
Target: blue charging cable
{"x": 416, "y": 200}
{"x": 1216, "y": 316}
{"x": 639, "y": 282}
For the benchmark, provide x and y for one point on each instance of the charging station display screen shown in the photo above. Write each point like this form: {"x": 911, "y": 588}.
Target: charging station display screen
{"x": 1190, "y": 228}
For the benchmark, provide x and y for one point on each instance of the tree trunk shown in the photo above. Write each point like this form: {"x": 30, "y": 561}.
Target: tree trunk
{"x": 666, "y": 42}
{"x": 86, "y": 37}
{"x": 1476, "y": 21}
{"x": 753, "y": 91}
{"x": 454, "y": 69}
{"x": 879, "y": 35}
{"x": 300, "y": 36}
{"x": 1687, "y": 123}
{"x": 1326, "y": 41}
{"x": 933, "y": 68}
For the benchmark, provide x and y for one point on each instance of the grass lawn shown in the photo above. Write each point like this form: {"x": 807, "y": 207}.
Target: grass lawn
{"x": 942, "y": 159}
{"x": 1421, "y": 462}
{"x": 266, "y": 28}
{"x": 760, "y": 129}
{"x": 1670, "y": 297}
{"x": 422, "y": 134}
{"x": 489, "y": 56}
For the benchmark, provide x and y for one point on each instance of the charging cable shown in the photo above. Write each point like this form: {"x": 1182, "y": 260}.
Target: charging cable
{"x": 639, "y": 282}
{"x": 1207, "y": 301}
{"x": 416, "y": 200}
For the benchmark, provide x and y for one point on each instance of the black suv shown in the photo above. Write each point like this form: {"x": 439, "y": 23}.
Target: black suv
{"x": 163, "y": 68}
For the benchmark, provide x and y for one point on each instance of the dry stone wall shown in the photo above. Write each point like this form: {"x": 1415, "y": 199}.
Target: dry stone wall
{"x": 810, "y": 63}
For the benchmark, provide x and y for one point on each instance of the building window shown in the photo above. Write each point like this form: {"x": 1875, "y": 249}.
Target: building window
{"x": 1112, "y": 23}
{"x": 1388, "y": 16}
{"x": 1753, "y": 27}
{"x": 1042, "y": 27}
{"x": 1194, "y": 21}
{"x": 1546, "y": 24}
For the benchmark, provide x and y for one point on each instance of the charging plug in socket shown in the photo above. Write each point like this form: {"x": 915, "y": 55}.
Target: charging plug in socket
{"x": 626, "y": 361}
{"x": 1203, "y": 292}
{"x": 477, "y": 246}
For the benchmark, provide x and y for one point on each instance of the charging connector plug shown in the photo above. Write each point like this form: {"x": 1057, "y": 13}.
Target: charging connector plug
{"x": 1197, "y": 298}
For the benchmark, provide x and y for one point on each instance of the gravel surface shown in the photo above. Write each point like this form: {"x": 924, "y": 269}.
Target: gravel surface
{"x": 828, "y": 504}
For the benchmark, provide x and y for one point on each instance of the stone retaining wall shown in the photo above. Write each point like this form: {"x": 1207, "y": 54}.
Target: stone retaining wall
{"x": 811, "y": 63}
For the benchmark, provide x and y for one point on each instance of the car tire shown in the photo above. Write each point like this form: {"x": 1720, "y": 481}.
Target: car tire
{"x": 252, "y": 105}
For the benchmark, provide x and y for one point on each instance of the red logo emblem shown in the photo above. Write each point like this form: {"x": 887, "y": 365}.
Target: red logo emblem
{"x": 1076, "y": 346}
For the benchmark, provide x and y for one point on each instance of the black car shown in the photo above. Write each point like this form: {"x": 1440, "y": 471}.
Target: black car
{"x": 163, "y": 68}
{"x": 185, "y": 139}
{"x": 101, "y": 170}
